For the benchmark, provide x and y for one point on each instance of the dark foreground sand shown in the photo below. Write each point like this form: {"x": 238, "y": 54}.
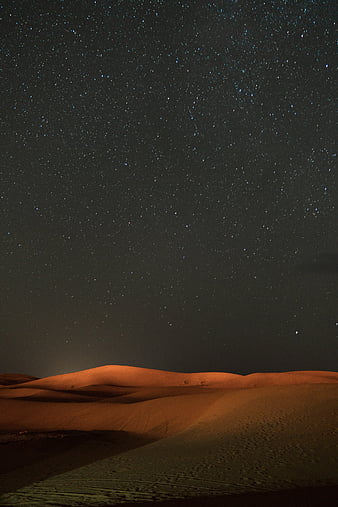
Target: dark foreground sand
{"x": 114, "y": 435}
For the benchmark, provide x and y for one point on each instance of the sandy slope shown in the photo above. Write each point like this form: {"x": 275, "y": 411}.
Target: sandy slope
{"x": 152, "y": 435}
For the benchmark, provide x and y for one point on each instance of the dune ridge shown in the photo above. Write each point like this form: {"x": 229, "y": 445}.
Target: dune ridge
{"x": 132, "y": 376}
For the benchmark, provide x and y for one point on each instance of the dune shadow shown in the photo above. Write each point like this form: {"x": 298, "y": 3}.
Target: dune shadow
{"x": 31, "y": 457}
{"x": 86, "y": 394}
{"x": 316, "y": 496}
{"x": 112, "y": 394}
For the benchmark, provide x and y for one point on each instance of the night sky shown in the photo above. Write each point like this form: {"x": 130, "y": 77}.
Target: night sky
{"x": 168, "y": 185}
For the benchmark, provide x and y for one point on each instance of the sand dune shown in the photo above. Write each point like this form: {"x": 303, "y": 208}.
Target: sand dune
{"x": 115, "y": 375}
{"x": 115, "y": 434}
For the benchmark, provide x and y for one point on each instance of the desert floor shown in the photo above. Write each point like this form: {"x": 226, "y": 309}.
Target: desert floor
{"x": 116, "y": 434}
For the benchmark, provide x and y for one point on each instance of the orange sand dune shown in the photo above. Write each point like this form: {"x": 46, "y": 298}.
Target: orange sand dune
{"x": 116, "y": 375}
{"x": 117, "y": 433}
{"x": 126, "y": 398}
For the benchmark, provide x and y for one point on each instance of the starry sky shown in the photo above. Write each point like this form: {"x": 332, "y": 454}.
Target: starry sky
{"x": 169, "y": 189}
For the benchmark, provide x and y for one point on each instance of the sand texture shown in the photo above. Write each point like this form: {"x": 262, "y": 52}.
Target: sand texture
{"x": 119, "y": 434}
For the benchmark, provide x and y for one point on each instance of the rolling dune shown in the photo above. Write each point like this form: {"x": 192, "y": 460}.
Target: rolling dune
{"x": 116, "y": 375}
{"x": 124, "y": 434}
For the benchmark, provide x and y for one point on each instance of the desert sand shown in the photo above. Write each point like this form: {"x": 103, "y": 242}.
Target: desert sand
{"x": 119, "y": 434}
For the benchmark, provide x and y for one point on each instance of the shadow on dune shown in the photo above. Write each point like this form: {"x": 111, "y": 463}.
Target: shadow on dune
{"x": 299, "y": 497}
{"x": 10, "y": 379}
{"x": 109, "y": 394}
{"x": 32, "y": 457}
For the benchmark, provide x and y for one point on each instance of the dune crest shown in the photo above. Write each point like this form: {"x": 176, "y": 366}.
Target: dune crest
{"x": 132, "y": 376}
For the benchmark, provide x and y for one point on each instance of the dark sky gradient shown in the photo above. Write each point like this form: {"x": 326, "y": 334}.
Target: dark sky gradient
{"x": 169, "y": 189}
